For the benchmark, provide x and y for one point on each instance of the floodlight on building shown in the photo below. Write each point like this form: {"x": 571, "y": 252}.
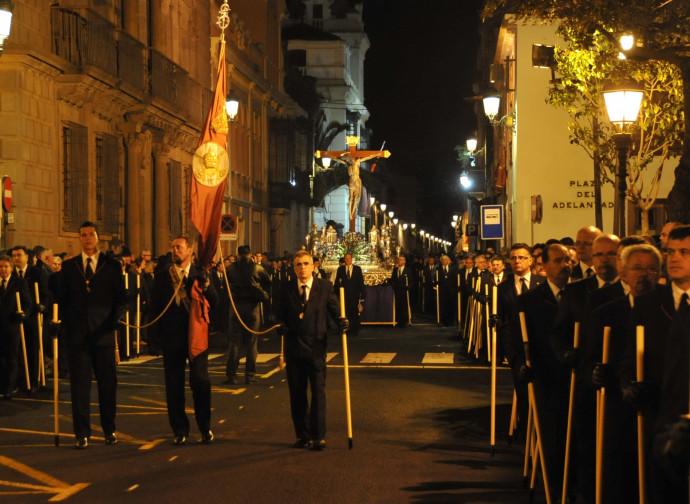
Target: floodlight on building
{"x": 627, "y": 42}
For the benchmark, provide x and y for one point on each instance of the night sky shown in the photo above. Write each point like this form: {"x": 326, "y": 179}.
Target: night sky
{"x": 420, "y": 67}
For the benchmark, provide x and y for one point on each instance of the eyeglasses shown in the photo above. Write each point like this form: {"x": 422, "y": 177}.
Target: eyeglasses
{"x": 640, "y": 269}
{"x": 609, "y": 255}
{"x": 520, "y": 258}
{"x": 302, "y": 264}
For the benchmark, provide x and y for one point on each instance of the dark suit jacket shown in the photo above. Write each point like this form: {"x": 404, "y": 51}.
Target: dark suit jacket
{"x": 507, "y": 314}
{"x": 89, "y": 318}
{"x": 402, "y": 283}
{"x": 306, "y": 337}
{"x": 577, "y": 272}
{"x": 354, "y": 286}
{"x": 466, "y": 279}
{"x": 655, "y": 311}
{"x": 172, "y": 330}
{"x": 541, "y": 308}
{"x": 9, "y": 327}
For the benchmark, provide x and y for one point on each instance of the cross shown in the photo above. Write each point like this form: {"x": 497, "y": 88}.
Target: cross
{"x": 352, "y": 159}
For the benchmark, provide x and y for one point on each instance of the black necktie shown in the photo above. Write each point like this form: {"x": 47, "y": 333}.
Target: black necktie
{"x": 88, "y": 273}
{"x": 4, "y": 284}
{"x": 523, "y": 285}
{"x": 349, "y": 272}
{"x": 683, "y": 299}
{"x": 20, "y": 273}
{"x": 304, "y": 294}
{"x": 589, "y": 272}
{"x": 559, "y": 296}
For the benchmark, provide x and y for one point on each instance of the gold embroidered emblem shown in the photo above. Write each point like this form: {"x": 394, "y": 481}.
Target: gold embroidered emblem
{"x": 210, "y": 164}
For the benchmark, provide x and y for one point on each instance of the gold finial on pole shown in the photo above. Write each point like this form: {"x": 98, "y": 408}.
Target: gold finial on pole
{"x": 223, "y": 19}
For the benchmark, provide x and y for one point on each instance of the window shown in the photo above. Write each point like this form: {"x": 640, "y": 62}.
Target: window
{"x": 107, "y": 184}
{"x": 75, "y": 176}
{"x": 352, "y": 119}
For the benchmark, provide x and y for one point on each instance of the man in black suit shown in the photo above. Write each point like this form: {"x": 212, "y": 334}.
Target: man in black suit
{"x": 183, "y": 336}
{"x": 655, "y": 311}
{"x": 640, "y": 266}
{"x": 520, "y": 280}
{"x": 428, "y": 279}
{"x": 33, "y": 275}
{"x": 350, "y": 276}
{"x": 10, "y": 336}
{"x": 304, "y": 305}
{"x": 447, "y": 275}
{"x": 318, "y": 271}
{"x": 250, "y": 286}
{"x": 540, "y": 306}
{"x": 583, "y": 248}
{"x": 401, "y": 278}
{"x": 91, "y": 295}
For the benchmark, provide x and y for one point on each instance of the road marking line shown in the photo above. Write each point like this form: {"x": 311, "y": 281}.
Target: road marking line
{"x": 271, "y": 372}
{"x": 377, "y": 358}
{"x": 330, "y": 355}
{"x": 438, "y": 358}
{"x": 219, "y": 390}
{"x": 133, "y": 487}
{"x": 215, "y": 356}
{"x": 61, "y": 489}
{"x": 152, "y": 444}
{"x": 261, "y": 358}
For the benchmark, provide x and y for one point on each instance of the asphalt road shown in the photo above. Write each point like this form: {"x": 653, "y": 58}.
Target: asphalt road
{"x": 420, "y": 416}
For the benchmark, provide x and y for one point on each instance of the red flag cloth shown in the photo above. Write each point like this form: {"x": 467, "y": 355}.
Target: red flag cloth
{"x": 210, "y": 170}
{"x": 198, "y": 322}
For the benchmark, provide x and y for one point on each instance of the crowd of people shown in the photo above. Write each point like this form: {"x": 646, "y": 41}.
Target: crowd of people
{"x": 593, "y": 282}
{"x": 594, "y": 285}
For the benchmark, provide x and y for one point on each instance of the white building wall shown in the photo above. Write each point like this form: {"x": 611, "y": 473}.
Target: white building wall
{"x": 545, "y": 163}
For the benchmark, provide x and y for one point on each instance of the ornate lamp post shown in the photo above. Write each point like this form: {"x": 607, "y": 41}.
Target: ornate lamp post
{"x": 623, "y": 106}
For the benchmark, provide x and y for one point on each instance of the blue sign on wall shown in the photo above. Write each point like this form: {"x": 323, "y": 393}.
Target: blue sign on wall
{"x": 492, "y": 222}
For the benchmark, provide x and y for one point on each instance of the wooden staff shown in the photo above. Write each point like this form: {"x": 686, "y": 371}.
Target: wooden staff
{"x": 347, "y": 373}
{"x": 41, "y": 359}
{"x": 513, "y": 419}
{"x": 494, "y": 308}
{"x": 601, "y": 423}
{"x": 489, "y": 353}
{"x": 127, "y": 317}
{"x": 535, "y": 410}
{"x": 470, "y": 320}
{"x": 56, "y": 373}
{"x": 438, "y": 301}
{"x": 23, "y": 339}
{"x": 528, "y": 447}
{"x": 640, "y": 416}
{"x": 568, "y": 436}
{"x": 138, "y": 313}
{"x": 409, "y": 310}
{"x": 459, "y": 306}
{"x": 281, "y": 359}
{"x": 478, "y": 321}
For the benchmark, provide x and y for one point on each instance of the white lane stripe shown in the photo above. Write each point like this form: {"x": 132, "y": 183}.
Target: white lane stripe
{"x": 377, "y": 358}
{"x": 438, "y": 358}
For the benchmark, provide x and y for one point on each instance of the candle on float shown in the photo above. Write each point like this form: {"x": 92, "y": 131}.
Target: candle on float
{"x": 494, "y": 304}
{"x": 342, "y": 302}
{"x": 639, "y": 333}
{"x": 55, "y": 312}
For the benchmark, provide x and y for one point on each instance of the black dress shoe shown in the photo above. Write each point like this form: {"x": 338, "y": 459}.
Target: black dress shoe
{"x": 82, "y": 443}
{"x": 207, "y": 437}
{"x": 232, "y": 380}
{"x": 300, "y": 443}
{"x": 180, "y": 440}
{"x": 317, "y": 445}
{"x": 249, "y": 380}
{"x": 111, "y": 439}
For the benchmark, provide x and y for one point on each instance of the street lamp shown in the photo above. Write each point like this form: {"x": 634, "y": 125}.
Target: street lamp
{"x": 623, "y": 106}
{"x": 492, "y": 102}
{"x": 465, "y": 180}
{"x": 231, "y": 105}
{"x": 6, "y": 8}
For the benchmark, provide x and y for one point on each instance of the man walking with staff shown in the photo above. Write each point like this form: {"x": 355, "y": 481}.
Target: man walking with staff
{"x": 304, "y": 304}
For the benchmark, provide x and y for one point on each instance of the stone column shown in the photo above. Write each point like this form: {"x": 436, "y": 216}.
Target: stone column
{"x": 161, "y": 199}
{"x": 138, "y": 159}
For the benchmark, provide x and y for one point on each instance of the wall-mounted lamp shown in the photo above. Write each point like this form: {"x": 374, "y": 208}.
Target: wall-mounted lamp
{"x": 465, "y": 180}
{"x": 382, "y": 206}
{"x": 6, "y": 8}
{"x": 232, "y": 105}
{"x": 492, "y": 102}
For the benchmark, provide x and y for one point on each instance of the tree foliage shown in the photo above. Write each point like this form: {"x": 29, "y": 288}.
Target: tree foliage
{"x": 584, "y": 65}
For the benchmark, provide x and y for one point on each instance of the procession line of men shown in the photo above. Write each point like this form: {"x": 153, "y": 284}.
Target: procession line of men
{"x": 622, "y": 286}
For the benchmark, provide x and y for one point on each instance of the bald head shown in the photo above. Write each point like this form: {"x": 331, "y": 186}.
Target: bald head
{"x": 663, "y": 236}
{"x": 605, "y": 255}
{"x": 583, "y": 243}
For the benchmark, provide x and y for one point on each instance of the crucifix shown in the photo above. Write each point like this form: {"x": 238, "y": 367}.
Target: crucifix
{"x": 352, "y": 159}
